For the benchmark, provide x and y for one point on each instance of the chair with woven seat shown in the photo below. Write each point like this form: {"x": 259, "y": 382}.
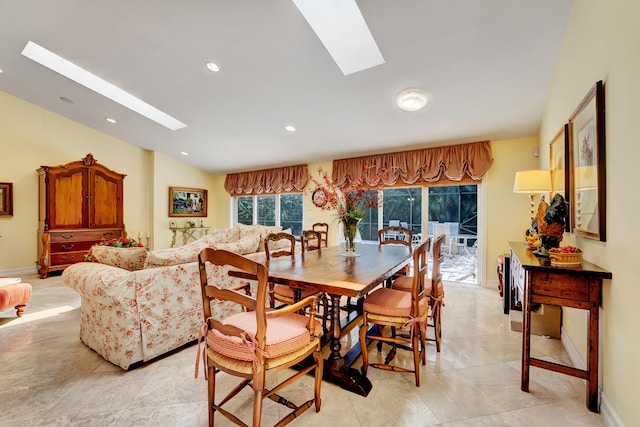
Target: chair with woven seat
{"x": 435, "y": 289}
{"x": 398, "y": 235}
{"x": 323, "y": 229}
{"x": 283, "y": 244}
{"x": 311, "y": 240}
{"x": 277, "y": 245}
{"x": 257, "y": 342}
{"x": 399, "y": 310}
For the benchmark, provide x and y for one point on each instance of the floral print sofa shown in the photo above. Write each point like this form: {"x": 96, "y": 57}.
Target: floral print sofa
{"x": 130, "y": 315}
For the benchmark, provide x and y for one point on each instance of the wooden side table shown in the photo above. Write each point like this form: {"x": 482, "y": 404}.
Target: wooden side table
{"x": 188, "y": 233}
{"x": 577, "y": 287}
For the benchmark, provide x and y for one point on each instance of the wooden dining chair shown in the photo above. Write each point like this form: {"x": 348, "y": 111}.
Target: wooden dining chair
{"x": 396, "y": 235}
{"x": 257, "y": 342}
{"x": 399, "y": 310}
{"x": 434, "y": 287}
{"x": 323, "y": 229}
{"x": 284, "y": 244}
{"x": 311, "y": 240}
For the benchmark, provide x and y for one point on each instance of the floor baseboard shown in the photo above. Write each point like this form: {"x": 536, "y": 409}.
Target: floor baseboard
{"x": 17, "y": 272}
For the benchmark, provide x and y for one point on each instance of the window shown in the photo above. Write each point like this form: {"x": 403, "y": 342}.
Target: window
{"x": 403, "y": 206}
{"x": 283, "y": 209}
{"x": 456, "y": 204}
{"x": 244, "y": 210}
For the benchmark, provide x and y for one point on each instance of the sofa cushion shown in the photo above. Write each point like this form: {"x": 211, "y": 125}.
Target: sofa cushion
{"x": 180, "y": 255}
{"x": 243, "y": 246}
{"x": 128, "y": 258}
{"x": 224, "y": 235}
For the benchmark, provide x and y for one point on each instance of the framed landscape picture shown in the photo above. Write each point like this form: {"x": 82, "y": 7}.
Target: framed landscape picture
{"x": 588, "y": 186}
{"x": 6, "y": 199}
{"x": 187, "y": 202}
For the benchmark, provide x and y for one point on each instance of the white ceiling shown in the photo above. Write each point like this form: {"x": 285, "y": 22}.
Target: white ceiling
{"x": 486, "y": 66}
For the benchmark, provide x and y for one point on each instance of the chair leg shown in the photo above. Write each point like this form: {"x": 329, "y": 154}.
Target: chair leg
{"x": 437, "y": 324}
{"x": 325, "y": 314}
{"x": 363, "y": 347}
{"x": 258, "y": 391}
{"x": 416, "y": 353}
{"x": 272, "y": 298}
{"x": 211, "y": 391}
{"x": 318, "y": 379}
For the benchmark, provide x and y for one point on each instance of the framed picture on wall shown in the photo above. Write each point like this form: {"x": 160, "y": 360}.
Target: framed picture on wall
{"x": 588, "y": 185}
{"x": 559, "y": 166}
{"x": 6, "y": 199}
{"x": 191, "y": 202}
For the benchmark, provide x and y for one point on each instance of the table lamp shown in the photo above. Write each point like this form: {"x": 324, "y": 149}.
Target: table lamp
{"x": 532, "y": 182}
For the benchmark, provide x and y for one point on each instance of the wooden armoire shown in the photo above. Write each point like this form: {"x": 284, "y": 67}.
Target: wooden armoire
{"x": 80, "y": 204}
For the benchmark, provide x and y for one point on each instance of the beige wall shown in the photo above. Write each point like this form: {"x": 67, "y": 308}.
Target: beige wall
{"x": 507, "y": 213}
{"x": 31, "y": 137}
{"x": 168, "y": 172}
{"x": 601, "y": 43}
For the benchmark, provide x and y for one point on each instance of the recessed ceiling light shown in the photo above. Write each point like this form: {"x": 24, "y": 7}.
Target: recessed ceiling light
{"x": 213, "y": 67}
{"x": 81, "y": 76}
{"x": 290, "y": 128}
{"x": 67, "y": 100}
{"x": 184, "y": 153}
{"x": 110, "y": 120}
{"x": 1, "y": 70}
{"x": 411, "y": 100}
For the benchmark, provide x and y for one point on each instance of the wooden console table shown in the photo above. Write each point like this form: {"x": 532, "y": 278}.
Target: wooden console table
{"x": 577, "y": 287}
{"x": 188, "y": 233}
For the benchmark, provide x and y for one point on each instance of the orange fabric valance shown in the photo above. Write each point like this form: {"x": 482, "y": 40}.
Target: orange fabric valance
{"x": 451, "y": 163}
{"x": 267, "y": 181}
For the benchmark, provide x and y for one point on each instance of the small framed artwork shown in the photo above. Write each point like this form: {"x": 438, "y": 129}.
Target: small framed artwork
{"x": 587, "y": 154}
{"x": 173, "y": 224}
{"x": 559, "y": 166}
{"x": 6, "y": 199}
{"x": 187, "y": 202}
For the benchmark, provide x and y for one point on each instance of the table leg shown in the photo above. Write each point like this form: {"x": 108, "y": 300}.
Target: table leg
{"x": 592, "y": 359}
{"x": 526, "y": 334}
{"x": 335, "y": 370}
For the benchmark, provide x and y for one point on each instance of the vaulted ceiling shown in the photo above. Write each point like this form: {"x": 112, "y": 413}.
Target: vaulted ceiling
{"x": 486, "y": 67}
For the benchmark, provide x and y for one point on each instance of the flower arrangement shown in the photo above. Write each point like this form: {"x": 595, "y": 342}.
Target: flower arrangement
{"x": 350, "y": 205}
{"x": 121, "y": 242}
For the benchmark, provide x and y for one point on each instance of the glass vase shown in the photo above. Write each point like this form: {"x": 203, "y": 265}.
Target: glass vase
{"x": 349, "y": 237}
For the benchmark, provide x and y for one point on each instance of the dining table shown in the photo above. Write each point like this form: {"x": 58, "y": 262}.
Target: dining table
{"x": 331, "y": 271}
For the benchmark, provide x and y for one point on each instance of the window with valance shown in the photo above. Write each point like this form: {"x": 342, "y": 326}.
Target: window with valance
{"x": 449, "y": 164}
{"x": 267, "y": 181}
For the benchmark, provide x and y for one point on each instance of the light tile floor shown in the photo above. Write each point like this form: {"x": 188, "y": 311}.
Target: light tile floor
{"x": 49, "y": 378}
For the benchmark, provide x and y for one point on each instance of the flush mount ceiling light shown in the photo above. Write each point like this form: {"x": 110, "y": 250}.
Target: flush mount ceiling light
{"x": 56, "y": 63}
{"x": 213, "y": 66}
{"x": 344, "y": 33}
{"x": 411, "y": 100}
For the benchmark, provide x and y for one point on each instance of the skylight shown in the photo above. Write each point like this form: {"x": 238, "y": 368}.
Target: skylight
{"x": 344, "y": 33}
{"x": 81, "y": 76}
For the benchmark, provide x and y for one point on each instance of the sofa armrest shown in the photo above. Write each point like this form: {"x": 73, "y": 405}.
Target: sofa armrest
{"x": 102, "y": 283}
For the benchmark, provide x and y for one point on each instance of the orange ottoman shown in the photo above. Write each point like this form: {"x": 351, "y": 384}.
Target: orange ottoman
{"x": 17, "y": 296}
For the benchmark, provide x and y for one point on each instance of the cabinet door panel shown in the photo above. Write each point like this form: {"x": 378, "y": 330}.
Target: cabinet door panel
{"x": 106, "y": 200}
{"x": 67, "y": 195}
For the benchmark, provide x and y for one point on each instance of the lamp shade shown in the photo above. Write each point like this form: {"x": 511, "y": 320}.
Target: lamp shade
{"x": 532, "y": 181}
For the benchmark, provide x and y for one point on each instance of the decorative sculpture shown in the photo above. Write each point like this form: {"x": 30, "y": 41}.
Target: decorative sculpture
{"x": 550, "y": 222}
